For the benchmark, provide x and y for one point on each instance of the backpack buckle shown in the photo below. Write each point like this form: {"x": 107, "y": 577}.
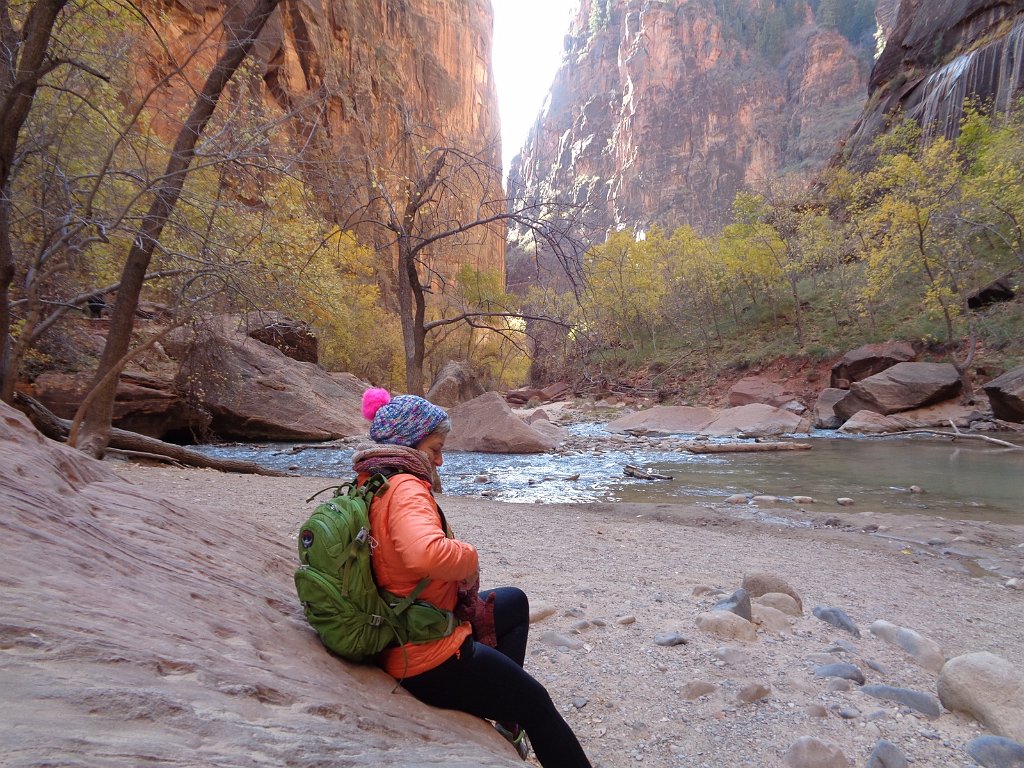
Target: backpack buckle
{"x": 376, "y": 620}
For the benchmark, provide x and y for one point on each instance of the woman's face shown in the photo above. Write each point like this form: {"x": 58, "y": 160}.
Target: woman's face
{"x": 433, "y": 445}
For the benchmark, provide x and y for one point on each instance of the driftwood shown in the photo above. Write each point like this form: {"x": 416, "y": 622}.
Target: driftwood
{"x": 642, "y": 474}
{"x": 140, "y": 446}
{"x": 700, "y": 447}
{"x": 956, "y": 434}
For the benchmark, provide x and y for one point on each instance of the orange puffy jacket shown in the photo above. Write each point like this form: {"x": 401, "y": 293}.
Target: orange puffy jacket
{"x": 411, "y": 546}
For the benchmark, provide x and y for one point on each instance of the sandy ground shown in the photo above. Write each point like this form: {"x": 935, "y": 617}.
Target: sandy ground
{"x": 606, "y": 580}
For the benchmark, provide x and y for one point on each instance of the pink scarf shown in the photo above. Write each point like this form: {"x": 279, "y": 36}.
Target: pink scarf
{"x": 374, "y": 457}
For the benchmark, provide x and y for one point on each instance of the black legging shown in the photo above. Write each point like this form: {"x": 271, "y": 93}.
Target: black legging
{"x": 492, "y": 683}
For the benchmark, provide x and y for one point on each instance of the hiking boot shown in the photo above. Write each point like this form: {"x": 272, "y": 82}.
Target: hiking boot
{"x": 517, "y": 737}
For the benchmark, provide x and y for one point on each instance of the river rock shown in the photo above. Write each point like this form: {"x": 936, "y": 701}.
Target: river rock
{"x": 837, "y": 617}
{"x": 664, "y": 420}
{"x": 738, "y": 602}
{"x": 809, "y": 752}
{"x": 752, "y": 692}
{"x": 726, "y": 624}
{"x": 773, "y": 620}
{"x": 759, "y": 584}
{"x": 869, "y": 359}
{"x": 871, "y": 423}
{"x": 900, "y": 388}
{"x": 841, "y": 670}
{"x": 758, "y": 389}
{"x": 781, "y": 601}
{"x": 486, "y": 424}
{"x": 919, "y": 701}
{"x": 455, "y": 383}
{"x": 923, "y": 650}
{"x": 823, "y": 415}
{"x": 996, "y": 752}
{"x": 1006, "y": 394}
{"x": 670, "y": 639}
{"x": 988, "y": 688}
{"x": 886, "y": 755}
{"x": 755, "y": 420}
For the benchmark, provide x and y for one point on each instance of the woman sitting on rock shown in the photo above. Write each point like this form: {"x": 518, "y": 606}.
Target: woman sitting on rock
{"x": 478, "y": 668}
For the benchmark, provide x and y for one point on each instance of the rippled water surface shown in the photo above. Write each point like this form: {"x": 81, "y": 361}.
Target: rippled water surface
{"x": 963, "y": 480}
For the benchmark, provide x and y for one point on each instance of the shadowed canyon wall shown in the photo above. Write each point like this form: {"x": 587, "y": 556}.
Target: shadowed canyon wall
{"x": 659, "y": 115}
{"x": 365, "y": 85}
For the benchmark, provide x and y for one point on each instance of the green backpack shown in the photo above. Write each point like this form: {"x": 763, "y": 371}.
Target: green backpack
{"x": 335, "y": 581}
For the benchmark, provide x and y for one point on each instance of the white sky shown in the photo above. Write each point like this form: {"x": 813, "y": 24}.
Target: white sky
{"x": 528, "y": 42}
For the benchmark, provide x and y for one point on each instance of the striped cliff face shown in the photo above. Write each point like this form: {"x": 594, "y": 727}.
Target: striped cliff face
{"x": 939, "y": 53}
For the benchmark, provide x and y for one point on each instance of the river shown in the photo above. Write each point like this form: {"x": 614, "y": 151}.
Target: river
{"x": 963, "y": 480}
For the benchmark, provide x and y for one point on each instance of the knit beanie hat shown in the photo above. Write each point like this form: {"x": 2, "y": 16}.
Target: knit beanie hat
{"x": 401, "y": 420}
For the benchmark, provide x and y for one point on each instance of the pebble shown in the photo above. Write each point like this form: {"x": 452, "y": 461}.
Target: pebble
{"x": 803, "y": 500}
{"x": 580, "y": 702}
{"x": 837, "y": 617}
{"x": 848, "y": 713}
{"x": 886, "y": 755}
{"x": 561, "y": 641}
{"x": 737, "y": 498}
{"x": 916, "y": 489}
{"x": 923, "y": 650}
{"x": 697, "y": 688}
{"x": 918, "y": 701}
{"x": 669, "y": 639}
{"x": 748, "y": 694}
{"x": 816, "y": 710}
{"x": 625, "y": 620}
{"x": 844, "y": 671}
{"x": 996, "y": 752}
{"x": 809, "y": 752}
{"x": 844, "y": 501}
{"x": 765, "y": 499}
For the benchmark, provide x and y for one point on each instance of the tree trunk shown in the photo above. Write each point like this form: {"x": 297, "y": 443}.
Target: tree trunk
{"x": 95, "y": 433}
{"x": 23, "y": 63}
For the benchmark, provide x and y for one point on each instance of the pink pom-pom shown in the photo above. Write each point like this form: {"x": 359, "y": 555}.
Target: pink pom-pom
{"x": 373, "y": 399}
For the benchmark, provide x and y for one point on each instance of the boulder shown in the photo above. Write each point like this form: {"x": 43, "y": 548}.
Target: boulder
{"x": 865, "y": 361}
{"x": 900, "y": 388}
{"x": 293, "y": 338}
{"x": 755, "y": 420}
{"x": 252, "y": 391}
{"x": 988, "y": 688}
{"x": 487, "y": 425}
{"x": 1006, "y": 394}
{"x": 145, "y": 403}
{"x": 664, "y": 420}
{"x": 758, "y": 389}
{"x": 759, "y": 584}
{"x": 823, "y": 415}
{"x": 455, "y": 383}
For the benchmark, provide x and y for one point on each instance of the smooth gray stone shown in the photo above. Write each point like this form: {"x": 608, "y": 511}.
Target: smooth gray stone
{"x": 845, "y": 671}
{"x": 924, "y": 703}
{"x": 887, "y": 755}
{"x": 738, "y": 602}
{"x": 837, "y": 618}
{"x": 668, "y": 639}
{"x": 996, "y": 752}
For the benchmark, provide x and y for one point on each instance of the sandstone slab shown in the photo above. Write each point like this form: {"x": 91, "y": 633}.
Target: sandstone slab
{"x": 455, "y": 383}
{"x": 755, "y": 420}
{"x": 869, "y": 359}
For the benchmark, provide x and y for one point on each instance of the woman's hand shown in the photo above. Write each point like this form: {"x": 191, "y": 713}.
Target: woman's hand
{"x": 470, "y": 584}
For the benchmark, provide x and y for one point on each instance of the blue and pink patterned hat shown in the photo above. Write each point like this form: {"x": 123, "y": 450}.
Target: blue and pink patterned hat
{"x": 401, "y": 420}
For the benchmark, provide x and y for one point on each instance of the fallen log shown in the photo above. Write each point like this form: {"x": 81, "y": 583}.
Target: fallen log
{"x": 700, "y": 447}
{"x": 642, "y": 474}
{"x": 124, "y": 441}
{"x": 956, "y": 434}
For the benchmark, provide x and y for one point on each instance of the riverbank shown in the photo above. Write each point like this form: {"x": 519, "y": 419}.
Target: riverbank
{"x": 609, "y": 581}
